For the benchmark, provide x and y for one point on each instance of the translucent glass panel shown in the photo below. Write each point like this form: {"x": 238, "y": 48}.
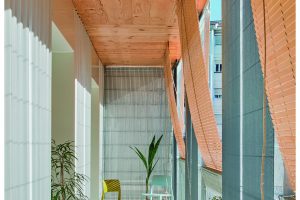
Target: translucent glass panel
{"x": 179, "y": 162}
{"x": 83, "y": 64}
{"x": 27, "y": 100}
{"x": 135, "y": 109}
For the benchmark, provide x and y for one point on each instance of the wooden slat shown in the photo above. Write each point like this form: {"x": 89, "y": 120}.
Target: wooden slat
{"x": 281, "y": 74}
{"x": 177, "y": 126}
{"x": 132, "y": 30}
{"x": 160, "y": 15}
{"x": 196, "y": 85}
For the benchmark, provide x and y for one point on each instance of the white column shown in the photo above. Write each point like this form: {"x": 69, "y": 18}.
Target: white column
{"x": 101, "y": 117}
{"x": 95, "y": 177}
{"x": 83, "y": 64}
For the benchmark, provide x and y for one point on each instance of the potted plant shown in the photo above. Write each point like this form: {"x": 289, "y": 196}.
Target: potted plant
{"x": 149, "y": 163}
{"x": 65, "y": 182}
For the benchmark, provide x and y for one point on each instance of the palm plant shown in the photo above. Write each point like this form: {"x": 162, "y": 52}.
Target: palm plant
{"x": 148, "y": 163}
{"x": 65, "y": 182}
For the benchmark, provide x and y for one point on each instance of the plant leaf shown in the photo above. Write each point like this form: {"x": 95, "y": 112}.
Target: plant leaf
{"x": 150, "y": 152}
{"x": 154, "y": 151}
{"x": 140, "y": 154}
{"x": 153, "y": 167}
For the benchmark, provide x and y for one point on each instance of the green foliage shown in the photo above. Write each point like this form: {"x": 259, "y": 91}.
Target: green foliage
{"x": 217, "y": 198}
{"x": 149, "y": 163}
{"x": 66, "y": 184}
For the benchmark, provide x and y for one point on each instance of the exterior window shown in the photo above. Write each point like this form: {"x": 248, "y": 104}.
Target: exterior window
{"x": 218, "y": 93}
{"x": 218, "y": 39}
{"x": 218, "y": 68}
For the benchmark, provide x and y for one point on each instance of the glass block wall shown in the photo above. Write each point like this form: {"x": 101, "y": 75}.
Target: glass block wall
{"x": 135, "y": 109}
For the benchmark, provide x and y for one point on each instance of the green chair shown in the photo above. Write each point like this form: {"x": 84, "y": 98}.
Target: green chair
{"x": 111, "y": 185}
{"x": 162, "y": 182}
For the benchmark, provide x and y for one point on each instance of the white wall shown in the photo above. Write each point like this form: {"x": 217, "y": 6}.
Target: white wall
{"x": 63, "y": 92}
{"x": 101, "y": 123}
{"x": 76, "y": 103}
{"x": 63, "y": 97}
{"x": 97, "y": 132}
{"x": 27, "y": 99}
{"x": 95, "y": 174}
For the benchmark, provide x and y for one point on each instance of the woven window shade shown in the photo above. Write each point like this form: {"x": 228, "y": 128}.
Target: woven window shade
{"x": 176, "y": 122}
{"x": 201, "y": 4}
{"x": 196, "y": 85}
{"x": 281, "y": 72}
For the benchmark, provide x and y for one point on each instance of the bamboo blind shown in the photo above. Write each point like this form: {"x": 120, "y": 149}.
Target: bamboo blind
{"x": 177, "y": 123}
{"x": 201, "y": 4}
{"x": 196, "y": 85}
{"x": 281, "y": 72}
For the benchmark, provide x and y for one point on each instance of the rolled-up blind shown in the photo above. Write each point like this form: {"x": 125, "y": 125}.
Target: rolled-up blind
{"x": 176, "y": 122}
{"x": 196, "y": 85}
{"x": 281, "y": 72}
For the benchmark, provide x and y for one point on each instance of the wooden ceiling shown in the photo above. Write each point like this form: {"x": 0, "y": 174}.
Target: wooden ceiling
{"x": 131, "y": 32}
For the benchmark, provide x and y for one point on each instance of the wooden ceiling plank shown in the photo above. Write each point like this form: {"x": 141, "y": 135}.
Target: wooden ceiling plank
{"x": 141, "y": 11}
{"x": 131, "y": 31}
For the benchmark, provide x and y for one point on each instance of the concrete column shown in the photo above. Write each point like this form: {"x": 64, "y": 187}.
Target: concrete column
{"x": 242, "y": 108}
{"x": 191, "y": 163}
